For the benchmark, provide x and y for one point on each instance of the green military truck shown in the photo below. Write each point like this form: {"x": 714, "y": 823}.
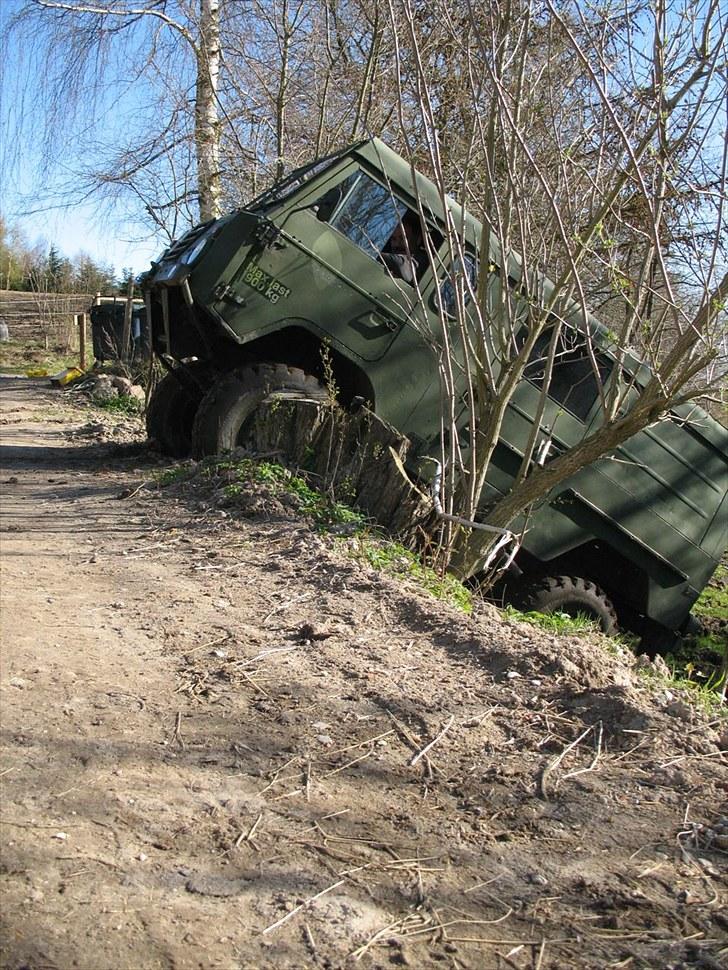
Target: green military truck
{"x": 242, "y": 307}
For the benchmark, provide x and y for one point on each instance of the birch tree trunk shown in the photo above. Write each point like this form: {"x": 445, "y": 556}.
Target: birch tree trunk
{"x": 207, "y": 120}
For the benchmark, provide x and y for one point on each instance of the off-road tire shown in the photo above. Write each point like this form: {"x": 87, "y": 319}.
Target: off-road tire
{"x": 171, "y": 412}
{"x": 227, "y": 406}
{"x": 572, "y": 595}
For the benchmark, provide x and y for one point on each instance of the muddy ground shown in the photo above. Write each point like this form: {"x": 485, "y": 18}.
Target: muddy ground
{"x": 214, "y": 732}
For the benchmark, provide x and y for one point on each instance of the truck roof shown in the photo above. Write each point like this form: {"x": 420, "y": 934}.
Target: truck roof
{"x": 424, "y": 192}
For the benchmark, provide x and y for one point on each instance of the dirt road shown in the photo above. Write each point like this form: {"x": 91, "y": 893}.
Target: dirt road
{"x": 213, "y": 731}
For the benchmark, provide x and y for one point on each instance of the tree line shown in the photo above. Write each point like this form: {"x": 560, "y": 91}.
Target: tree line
{"x": 42, "y": 268}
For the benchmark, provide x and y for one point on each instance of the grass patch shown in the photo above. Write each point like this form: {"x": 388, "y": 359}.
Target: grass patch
{"x": 706, "y": 695}
{"x": 560, "y": 623}
{"x": 123, "y": 404}
{"x": 170, "y": 476}
{"x": 700, "y": 687}
{"x": 394, "y": 560}
{"x": 21, "y": 357}
{"x": 699, "y": 663}
{"x": 713, "y": 601}
{"x": 326, "y": 512}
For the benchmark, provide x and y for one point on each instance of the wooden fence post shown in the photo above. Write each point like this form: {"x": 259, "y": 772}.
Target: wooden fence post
{"x": 81, "y": 318}
{"x": 126, "y": 333}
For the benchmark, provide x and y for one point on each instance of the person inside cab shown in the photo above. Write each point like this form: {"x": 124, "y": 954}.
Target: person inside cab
{"x": 404, "y": 253}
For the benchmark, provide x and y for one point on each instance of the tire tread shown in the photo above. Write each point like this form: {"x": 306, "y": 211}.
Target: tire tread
{"x": 551, "y": 593}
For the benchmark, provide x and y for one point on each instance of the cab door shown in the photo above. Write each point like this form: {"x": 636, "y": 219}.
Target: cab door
{"x": 323, "y": 268}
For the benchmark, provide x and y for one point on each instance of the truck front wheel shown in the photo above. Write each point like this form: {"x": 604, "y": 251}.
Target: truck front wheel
{"x": 170, "y": 413}
{"x": 572, "y": 595}
{"x": 227, "y": 407}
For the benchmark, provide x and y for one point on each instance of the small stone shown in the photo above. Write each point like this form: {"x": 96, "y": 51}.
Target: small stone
{"x": 324, "y": 739}
{"x": 512, "y": 674}
{"x": 569, "y": 667}
{"x": 122, "y": 384}
{"x": 61, "y": 836}
{"x": 679, "y": 708}
{"x": 104, "y": 390}
{"x": 653, "y": 665}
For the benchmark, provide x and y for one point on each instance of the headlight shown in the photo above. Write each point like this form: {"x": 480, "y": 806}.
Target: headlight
{"x": 191, "y": 255}
{"x": 168, "y": 271}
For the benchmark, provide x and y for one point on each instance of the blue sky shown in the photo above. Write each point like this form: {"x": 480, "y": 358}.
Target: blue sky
{"x": 31, "y": 199}
{"x": 77, "y": 229}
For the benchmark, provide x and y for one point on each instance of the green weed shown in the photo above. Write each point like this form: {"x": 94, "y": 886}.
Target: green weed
{"x": 171, "y": 475}
{"x": 703, "y": 693}
{"x": 393, "y": 559}
{"x": 326, "y": 512}
{"x": 327, "y": 364}
{"x": 713, "y": 601}
{"x": 560, "y": 623}
{"x": 700, "y": 663}
{"x": 123, "y": 404}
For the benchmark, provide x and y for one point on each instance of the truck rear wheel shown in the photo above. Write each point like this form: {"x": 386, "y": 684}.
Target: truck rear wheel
{"x": 572, "y": 595}
{"x": 171, "y": 411}
{"x": 225, "y": 410}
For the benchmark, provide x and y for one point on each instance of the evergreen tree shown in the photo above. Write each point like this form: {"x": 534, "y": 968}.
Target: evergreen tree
{"x": 127, "y": 277}
{"x": 58, "y": 272}
{"x": 92, "y": 277}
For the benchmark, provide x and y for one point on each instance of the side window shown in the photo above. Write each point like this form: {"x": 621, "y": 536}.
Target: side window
{"x": 573, "y": 382}
{"x": 381, "y": 225}
{"x": 455, "y": 285}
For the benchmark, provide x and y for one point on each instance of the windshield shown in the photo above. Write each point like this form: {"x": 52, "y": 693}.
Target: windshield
{"x": 289, "y": 184}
